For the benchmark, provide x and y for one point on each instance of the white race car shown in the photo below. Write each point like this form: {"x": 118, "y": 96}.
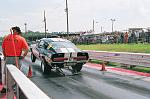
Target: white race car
{"x": 58, "y": 53}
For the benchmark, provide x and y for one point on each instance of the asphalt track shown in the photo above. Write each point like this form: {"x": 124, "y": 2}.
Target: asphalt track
{"x": 89, "y": 84}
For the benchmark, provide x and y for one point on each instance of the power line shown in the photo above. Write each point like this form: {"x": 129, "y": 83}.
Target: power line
{"x": 59, "y": 6}
{"x": 37, "y": 26}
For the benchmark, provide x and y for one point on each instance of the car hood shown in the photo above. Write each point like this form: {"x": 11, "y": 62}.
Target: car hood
{"x": 67, "y": 50}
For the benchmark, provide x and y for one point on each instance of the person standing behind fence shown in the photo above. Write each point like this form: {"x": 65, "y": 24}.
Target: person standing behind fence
{"x": 13, "y": 46}
{"x": 126, "y": 38}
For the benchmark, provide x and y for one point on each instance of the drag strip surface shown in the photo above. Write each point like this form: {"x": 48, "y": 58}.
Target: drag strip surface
{"x": 89, "y": 84}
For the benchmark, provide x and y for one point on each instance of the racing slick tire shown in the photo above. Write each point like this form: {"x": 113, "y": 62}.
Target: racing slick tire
{"x": 33, "y": 58}
{"x": 45, "y": 67}
{"x": 77, "y": 67}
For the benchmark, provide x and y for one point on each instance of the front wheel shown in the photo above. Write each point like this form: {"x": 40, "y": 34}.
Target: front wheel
{"x": 33, "y": 58}
{"x": 77, "y": 67}
{"x": 45, "y": 67}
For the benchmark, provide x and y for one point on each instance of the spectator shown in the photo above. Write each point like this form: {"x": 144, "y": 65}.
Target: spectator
{"x": 13, "y": 45}
{"x": 126, "y": 37}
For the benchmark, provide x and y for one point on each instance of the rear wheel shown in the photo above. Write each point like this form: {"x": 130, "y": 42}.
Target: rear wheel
{"x": 77, "y": 67}
{"x": 33, "y": 58}
{"x": 45, "y": 67}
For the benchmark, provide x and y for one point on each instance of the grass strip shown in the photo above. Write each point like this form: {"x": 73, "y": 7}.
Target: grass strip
{"x": 117, "y": 65}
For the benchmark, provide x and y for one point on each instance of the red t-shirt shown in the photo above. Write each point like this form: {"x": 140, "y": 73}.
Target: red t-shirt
{"x": 14, "y": 49}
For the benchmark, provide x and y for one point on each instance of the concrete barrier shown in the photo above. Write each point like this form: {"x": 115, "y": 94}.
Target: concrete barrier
{"x": 138, "y": 59}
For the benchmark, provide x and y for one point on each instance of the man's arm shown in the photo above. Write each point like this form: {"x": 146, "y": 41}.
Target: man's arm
{"x": 25, "y": 48}
{"x": 25, "y": 52}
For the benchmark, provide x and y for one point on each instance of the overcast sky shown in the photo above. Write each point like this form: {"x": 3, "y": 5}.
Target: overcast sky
{"x": 128, "y": 13}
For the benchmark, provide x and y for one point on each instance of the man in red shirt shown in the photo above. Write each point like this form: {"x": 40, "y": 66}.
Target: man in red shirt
{"x": 13, "y": 46}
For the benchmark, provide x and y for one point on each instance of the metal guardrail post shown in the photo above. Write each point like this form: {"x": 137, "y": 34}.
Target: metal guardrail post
{"x": 0, "y": 70}
{"x": 17, "y": 91}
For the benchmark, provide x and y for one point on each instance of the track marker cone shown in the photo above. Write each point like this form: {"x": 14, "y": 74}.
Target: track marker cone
{"x": 103, "y": 67}
{"x": 29, "y": 72}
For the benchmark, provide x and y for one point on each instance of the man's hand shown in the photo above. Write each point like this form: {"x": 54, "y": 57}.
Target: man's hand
{"x": 25, "y": 52}
{"x": 21, "y": 57}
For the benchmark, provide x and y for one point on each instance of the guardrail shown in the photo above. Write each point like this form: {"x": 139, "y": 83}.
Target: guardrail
{"x": 0, "y": 70}
{"x": 1, "y": 62}
{"x": 27, "y": 87}
{"x": 138, "y": 59}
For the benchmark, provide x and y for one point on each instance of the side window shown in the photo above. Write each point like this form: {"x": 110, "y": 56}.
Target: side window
{"x": 46, "y": 45}
{"x": 50, "y": 45}
{"x": 41, "y": 44}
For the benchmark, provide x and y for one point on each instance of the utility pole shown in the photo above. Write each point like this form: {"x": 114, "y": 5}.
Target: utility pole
{"x": 66, "y": 10}
{"x": 45, "y": 24}
{"x": 112, "y": 20}
{"x": 101, "y": 29}
{"x": 25, "y": 24}
{"x": 93, "y": 25}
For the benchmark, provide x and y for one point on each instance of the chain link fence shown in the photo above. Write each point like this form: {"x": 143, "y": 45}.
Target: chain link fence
{"x": 112, "y": 38}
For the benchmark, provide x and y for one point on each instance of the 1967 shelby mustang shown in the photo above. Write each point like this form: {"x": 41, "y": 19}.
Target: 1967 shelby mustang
{"x": 57, "y": 53}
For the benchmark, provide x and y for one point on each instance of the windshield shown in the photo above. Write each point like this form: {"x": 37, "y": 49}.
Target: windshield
{"x": 61, "y": 45}
{"x": 57, "y": 45}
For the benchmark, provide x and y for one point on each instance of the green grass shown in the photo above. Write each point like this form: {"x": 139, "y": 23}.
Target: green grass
{"x": 95, "y": 61}
{"x": 100, "y": 62}
{"x": 136, "y": 48}
{"x": 140, "y": 69}
{"x": 117, "y": 65}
